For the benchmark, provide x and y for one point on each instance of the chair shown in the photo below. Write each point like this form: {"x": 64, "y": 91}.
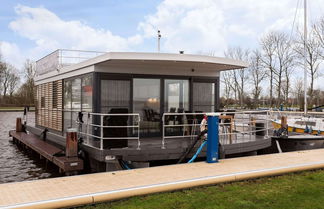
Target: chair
{"x": 116, "y": 132}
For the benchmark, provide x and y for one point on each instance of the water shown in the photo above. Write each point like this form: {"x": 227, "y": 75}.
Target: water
{"x": 15, "y": 163}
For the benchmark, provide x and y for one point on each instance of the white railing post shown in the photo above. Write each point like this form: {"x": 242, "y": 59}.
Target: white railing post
{"x": 101, "y": 132}
{"x": 267, "y": 124}
{"x": 138, "y": 133}
{"x": 250, "y": 127}
{"x": 163, "y": 132}
{"x": 88, "y": 141}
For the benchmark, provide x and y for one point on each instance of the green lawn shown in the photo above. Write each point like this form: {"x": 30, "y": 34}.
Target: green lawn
{"x": 301, "y": 190}
{"x": 4, "y": 109}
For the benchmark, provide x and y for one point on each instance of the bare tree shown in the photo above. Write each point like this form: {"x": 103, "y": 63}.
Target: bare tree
{"x": 313, "y": 56}
{"x": 13, "y": 83}
{"x": 268, "y": 59}
{"x": 298, "y": 91}
{"x": 226, "y": 79}
{"x": 285, "y": 61}
{"x": 257, "y": 73}
{"x": 6, "y": 74}
{"x": 318, "y": 29}
{"x": 239, "y": 76}
{"x": 29, "y": 85}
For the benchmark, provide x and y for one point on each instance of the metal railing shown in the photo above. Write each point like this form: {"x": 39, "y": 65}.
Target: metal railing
{"x": 232, "y": 125}
{"x": 101, "y": 130}
{"x": 63, "y": 57}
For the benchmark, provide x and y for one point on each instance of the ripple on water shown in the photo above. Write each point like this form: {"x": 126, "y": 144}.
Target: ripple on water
{"x": 15, "y": 164}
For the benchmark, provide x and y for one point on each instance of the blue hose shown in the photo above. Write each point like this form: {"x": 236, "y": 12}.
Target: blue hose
{"x": 198, "y": 151}
{"x": 125, "y": 165}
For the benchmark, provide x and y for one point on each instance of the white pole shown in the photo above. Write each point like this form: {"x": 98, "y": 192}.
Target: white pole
{"x": 305, "y": 57}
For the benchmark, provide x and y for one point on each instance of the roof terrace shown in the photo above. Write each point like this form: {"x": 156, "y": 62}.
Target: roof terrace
{"x": 61, "y": 58}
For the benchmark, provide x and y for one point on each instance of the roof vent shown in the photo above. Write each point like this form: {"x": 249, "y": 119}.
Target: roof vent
{"x": 181, "y": 52}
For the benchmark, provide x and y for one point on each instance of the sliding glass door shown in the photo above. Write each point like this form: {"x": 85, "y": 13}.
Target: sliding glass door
{"x": 146, "y": 102}
{"x": 176, "y": 95}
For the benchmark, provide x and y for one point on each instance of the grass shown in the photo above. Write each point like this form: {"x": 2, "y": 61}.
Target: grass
{"x": 301, "y": 190}
{"x": 4, "y": 109}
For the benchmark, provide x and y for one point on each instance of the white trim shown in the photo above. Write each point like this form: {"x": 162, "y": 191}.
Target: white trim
{"x": 117, "y": 60}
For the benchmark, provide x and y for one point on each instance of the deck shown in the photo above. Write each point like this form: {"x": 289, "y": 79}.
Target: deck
{"x": 151, "y": 148}
{"x": 93, "y": 188}
{"x": 48, "y": 151}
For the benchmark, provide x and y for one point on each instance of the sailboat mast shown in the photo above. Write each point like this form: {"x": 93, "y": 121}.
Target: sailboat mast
{"x": 305, "y": 57}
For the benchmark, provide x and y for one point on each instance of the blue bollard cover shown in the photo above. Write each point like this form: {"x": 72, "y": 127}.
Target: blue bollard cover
{"x": 212, "y": 138}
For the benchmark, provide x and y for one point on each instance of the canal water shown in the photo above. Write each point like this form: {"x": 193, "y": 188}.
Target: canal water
{"x": 15, "y": 163}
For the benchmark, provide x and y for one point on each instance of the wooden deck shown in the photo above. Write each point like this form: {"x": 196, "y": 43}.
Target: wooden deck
{"x": 93, "y": 188}
{"x": 48, "y": 151}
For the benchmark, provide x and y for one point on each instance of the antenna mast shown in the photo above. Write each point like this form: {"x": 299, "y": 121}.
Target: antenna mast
{"x": 305, "y": 57}
{"x": 158, "y": 39}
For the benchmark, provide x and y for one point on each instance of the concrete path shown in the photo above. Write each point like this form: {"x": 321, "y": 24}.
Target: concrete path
{"x": 92, "y": 188}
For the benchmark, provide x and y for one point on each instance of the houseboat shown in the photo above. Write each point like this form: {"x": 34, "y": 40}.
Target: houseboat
{"x": 141, "y": 108}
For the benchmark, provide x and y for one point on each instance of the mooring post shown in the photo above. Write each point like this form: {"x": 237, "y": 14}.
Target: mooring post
{"x": 18, "y": 125}
{"x": 71, "y": 149}
{"x": 283, "y": 122}
{"x": 212, "y": 138}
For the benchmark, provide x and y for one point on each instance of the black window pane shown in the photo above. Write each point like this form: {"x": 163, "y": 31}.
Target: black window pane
{"x": 204, "y": 97}
{"x": 115, "y": 94}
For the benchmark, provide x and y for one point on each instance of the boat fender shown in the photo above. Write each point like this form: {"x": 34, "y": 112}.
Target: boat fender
{"x": 203, "y": 124}
{"x": 43, "y": 134}
{"x": 80, "y": 117}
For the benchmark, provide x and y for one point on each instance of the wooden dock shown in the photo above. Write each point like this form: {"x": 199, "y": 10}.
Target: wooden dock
{"x": 51, "y": 153}
{"x": 93, "y": 188}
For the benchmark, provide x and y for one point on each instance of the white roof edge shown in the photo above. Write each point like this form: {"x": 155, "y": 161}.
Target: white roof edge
{"x": 165, "y": 57}
{"x": 148, "y": 57}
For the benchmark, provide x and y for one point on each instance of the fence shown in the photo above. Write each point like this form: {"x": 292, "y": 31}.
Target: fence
{"x": 61, "y": 58}
{"x": 97, "y": 128}
{"x": 233, "y": 126}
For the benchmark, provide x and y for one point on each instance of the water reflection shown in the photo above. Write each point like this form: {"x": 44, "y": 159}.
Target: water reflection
{"x": 17, "y": 164}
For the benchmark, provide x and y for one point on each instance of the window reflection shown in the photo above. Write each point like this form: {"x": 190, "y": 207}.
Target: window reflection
{"x": 146, "y": 101}
{"x": 87, "y": 93}
{"x": 176, "y": 95}
{"x": 76, "y": 94}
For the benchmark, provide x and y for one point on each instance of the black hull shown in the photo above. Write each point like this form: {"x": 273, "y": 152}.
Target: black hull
{"x": 299, "y": 142}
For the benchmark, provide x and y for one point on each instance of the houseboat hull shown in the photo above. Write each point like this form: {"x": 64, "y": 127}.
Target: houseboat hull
{"x": 299, "y": 142}
{"x": 151, "y": 152}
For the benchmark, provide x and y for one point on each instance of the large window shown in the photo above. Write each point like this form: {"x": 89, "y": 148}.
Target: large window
{"x": 87, "y": 93}
{"x": 77, "y": 97}
{"x": 203, "y": 97}
{"x": 176, "y": 95}
{"x": 67, "y": 104}
{"x": 76, "y": 94}
{"x": 115, "y": 96}
{"x": 146, "y": 101}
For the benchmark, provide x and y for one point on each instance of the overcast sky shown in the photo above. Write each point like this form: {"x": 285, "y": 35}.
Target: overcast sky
{"x": 34, "y": 28}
